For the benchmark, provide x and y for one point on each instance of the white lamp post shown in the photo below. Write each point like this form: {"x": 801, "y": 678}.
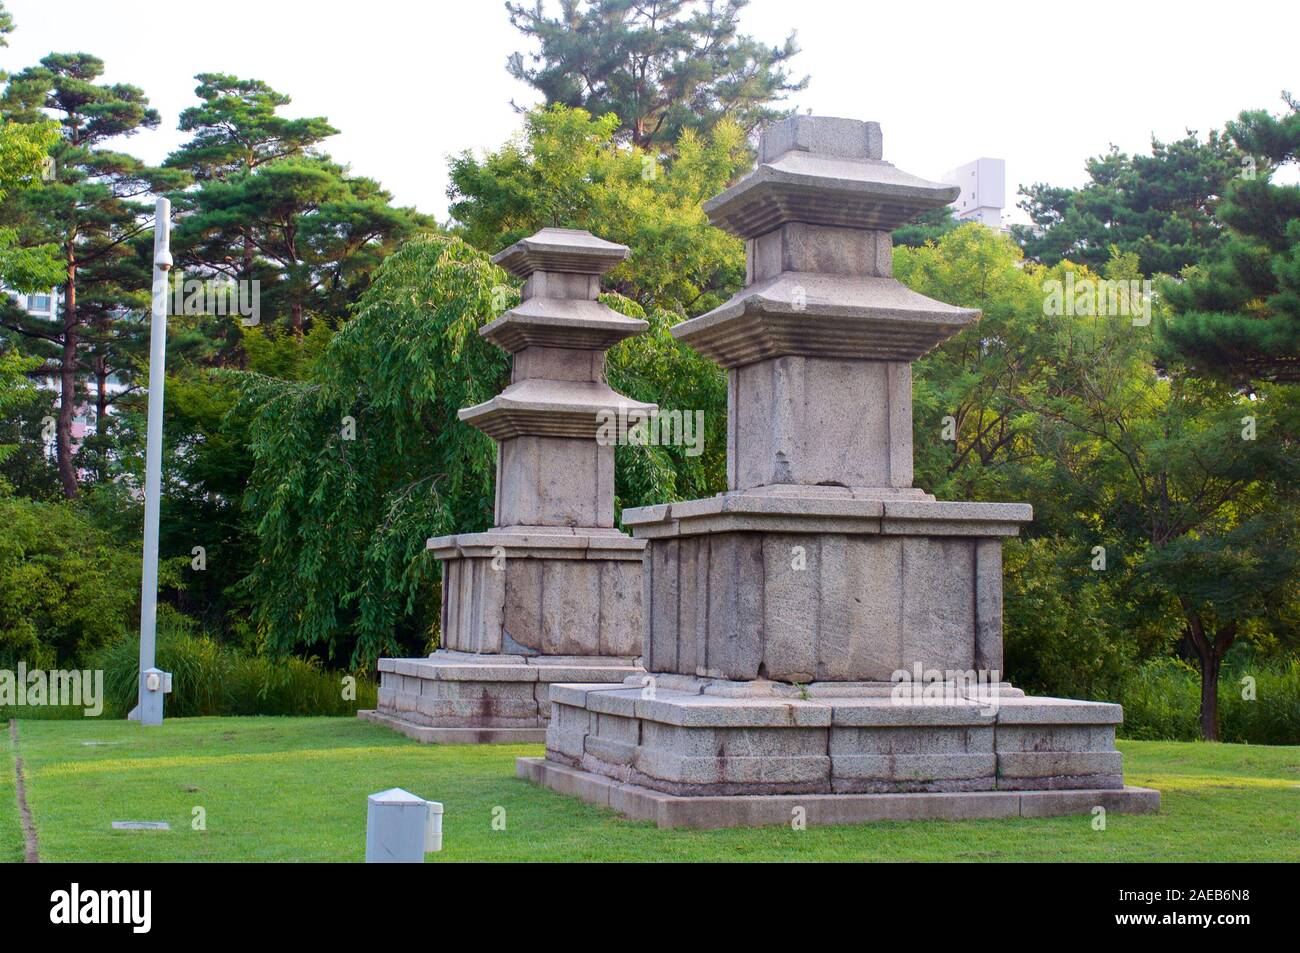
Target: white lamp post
{"x": 154, "y": 684}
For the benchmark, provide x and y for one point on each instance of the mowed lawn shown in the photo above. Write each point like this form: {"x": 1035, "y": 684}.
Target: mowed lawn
{"x": 294, "y": 789}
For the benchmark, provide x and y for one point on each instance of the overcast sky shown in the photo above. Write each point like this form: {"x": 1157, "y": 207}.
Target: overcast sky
{"x": 1039, "y": 84}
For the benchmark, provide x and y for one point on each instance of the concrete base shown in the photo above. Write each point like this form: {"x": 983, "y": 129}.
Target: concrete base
{"x": 464, "y": 698}
{"x": 707, "y": 813}
{"x": 455, "y": 736}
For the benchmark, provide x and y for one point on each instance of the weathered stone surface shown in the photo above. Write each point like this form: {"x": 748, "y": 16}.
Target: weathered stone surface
{"x": 562, "y": 595}
{"x": 852, "y": 510}
{"x": 570, "y": 250}
{"x": 427, "y": 734}
{"x": 816, "y": 169}
{"x": 707, "y": 741}
{"x": 811, "y": 420}
{"x": 464, "y": 690}
{"x": 818, "y": 607}
{"x": 751, "y": 810}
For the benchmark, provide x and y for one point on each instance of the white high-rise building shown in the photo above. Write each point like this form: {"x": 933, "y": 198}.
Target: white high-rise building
{"x": 983, "y": 191}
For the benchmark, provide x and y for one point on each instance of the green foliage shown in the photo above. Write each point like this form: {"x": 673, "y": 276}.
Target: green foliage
{"x": 317, "y": 231}
{"x": 566, "y": 169}
{"x": 1062, "y": 628}
{"x": 236, "y": 128}
{"x": 1238, "y": 316}
{"x": 1161, "y": 207}
{"x": 90, "y": 211}
{"x": 65, "y": 588}
{"x": 1161, "y": 701}
{"x": 16, "y": 391}
{"x": 661, "y": 68}
{"x": 23, "y": 151}
{"x": 209, "y": 678}
{"x": 1070, "y": 412}
{"x": 927, "y": 227}
{"x": 653, "y": 367}
{"x": 342, "y": 566}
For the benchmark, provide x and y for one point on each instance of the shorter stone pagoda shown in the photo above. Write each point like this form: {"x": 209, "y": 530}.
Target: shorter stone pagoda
{"x": 552, "y": 593}
{"x": 824, "y": 640}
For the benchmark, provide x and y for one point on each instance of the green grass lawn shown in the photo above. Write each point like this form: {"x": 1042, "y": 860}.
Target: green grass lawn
{"x": 11, "y": 831}
{"x": 294, "y": 789}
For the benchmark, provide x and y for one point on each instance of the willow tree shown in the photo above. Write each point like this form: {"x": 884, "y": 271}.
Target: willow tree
{"x": 361, "y": 461}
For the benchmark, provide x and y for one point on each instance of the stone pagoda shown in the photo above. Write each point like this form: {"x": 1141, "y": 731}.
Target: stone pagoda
{"x": 824, "y": 636}
{"x": 552, "y": 593}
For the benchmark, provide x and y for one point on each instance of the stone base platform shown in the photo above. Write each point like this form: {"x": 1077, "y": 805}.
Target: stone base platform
{"x": 707, "y": 813}
{"x": 706, "y": 738}
{"x": 455, "y": 736}
{"x": 467, "y": 698}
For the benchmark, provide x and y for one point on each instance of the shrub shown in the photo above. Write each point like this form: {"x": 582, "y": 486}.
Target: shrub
{"x": 209, "y": 678}
{"x": 65, "y": 589}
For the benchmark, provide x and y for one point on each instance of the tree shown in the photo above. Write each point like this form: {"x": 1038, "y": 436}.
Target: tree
{"x": 1161, "y": 207}
{"x": 1238, "y": 316}
{"x": 355, "y": 466}
{"x": 66, "y": 587}
{"x": 315, "y": 231}
{"x": 1179, "y": 482}
{"x": 660, "y": 66}
{"x": 235, "y": 131}
{"x": 1155, "y": 467}
{"x": 24, "y": 150}
{"x": 929, "y": 226}
{"x": 566, "y": 169}
{"x": 88, "y": 211}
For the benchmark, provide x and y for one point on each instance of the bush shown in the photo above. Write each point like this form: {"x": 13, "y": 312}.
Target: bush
{"x": 1162, "y": 701}
{"x": 209, "y": 678}
{"x": 65, "y": 589}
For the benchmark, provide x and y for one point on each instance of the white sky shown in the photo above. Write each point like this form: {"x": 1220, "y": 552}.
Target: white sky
{"x": 1042, "y": 85}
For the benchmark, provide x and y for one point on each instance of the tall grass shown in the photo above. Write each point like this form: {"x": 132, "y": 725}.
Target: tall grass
{"x": 1162, "y": 701}
{"x": 209, "y": 678}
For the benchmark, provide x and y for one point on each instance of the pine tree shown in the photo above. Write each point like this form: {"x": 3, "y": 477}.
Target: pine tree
{"x": 1162, "y": 207}
{"x": 661, "y": 66}
{"x": 1239, "y": 317}
{"x": 90, "y": 211}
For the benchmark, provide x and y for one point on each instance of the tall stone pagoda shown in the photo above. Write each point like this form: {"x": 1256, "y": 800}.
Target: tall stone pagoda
{"x": 824, "y": 635}
{"x": 553, "y": 591}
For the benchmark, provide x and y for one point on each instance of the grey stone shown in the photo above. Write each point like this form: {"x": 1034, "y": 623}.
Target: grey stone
{"x": 427, "y": 734}
{"x": 752, "y": 810}
{"x": 562, "y": 250}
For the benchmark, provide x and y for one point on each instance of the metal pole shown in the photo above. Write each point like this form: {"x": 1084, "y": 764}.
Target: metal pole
{"x": 150, "y": 698}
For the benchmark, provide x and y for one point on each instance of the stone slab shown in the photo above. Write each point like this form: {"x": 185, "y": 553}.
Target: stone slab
{"x": 465, "y": 698}
{"x": 708, "y": 813}
{"x": 455, "y": 736}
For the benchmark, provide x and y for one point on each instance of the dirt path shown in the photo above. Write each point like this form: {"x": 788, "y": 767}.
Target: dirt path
{"x": 31, "y": 854}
